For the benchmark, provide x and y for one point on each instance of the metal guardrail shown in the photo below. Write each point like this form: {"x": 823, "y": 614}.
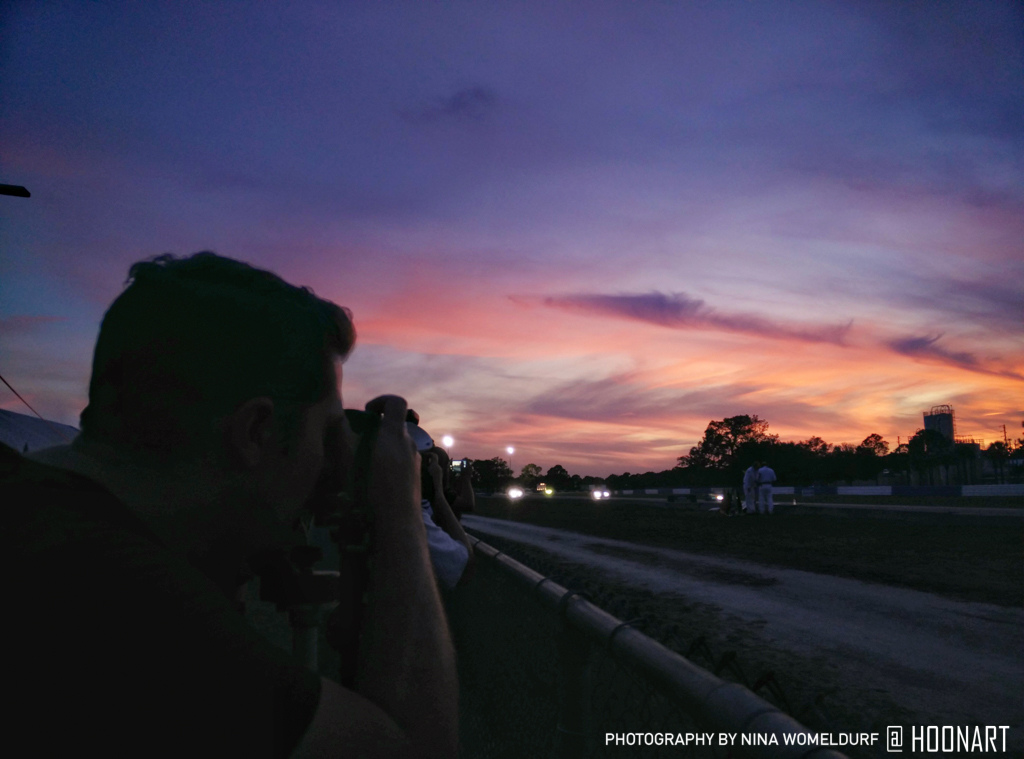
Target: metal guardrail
{"x": 663, "y": 691}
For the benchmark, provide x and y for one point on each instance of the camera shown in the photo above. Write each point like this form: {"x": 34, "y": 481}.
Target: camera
{"x": 459, "y": 466}
{"x": 335, "y": 495}
{"x": 352, "y": 522}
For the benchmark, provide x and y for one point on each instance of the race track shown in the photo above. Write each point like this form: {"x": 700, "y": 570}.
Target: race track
{"x": 949, "y": 662}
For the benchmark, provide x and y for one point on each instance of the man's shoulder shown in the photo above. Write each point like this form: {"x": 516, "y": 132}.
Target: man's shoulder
{"x": 47, "y": 506}
{"x": 174, "y": 656}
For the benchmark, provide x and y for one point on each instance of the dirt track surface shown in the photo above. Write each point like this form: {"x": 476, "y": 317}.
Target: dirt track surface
{"x": 938, "y": 661}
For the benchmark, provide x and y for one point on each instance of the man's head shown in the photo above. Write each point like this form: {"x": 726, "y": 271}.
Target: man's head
{"x": 191, "y": 340}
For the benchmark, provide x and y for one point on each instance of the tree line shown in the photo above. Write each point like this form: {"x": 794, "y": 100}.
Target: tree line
{"x": 490, "y": 475}
{"x": 730, "y": 445}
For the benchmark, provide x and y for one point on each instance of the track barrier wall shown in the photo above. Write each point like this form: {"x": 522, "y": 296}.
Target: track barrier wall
{"x": 951, "y": 491}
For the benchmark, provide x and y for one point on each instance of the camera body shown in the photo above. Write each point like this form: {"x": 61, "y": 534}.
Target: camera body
{"x": 334, "y": 495}
{"x": 352, "y": 522}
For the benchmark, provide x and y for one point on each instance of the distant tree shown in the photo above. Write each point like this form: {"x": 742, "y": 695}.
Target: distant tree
{"x": 870, "y": 457}
{"x": 491, "y": 474}
{"x": 967, "y": 455}
{"x": 816, "y": 446}
{"x": 530, "y": 476}
{"x": 717, "y": 449}
{"x": 619, "y": 481}
{"x": 928, "y": 443}
{"x": 558, "y": 478}
{"x": 998, "y": 453}
{"x": 793, "y": 463}
{"x": 874, "y": 445}
{"x": 813, "y": 456}
{"x": 928, "y": 450}
{"x": 843, "y": 463}
{"x": 899, "y": 461}
{"x": 1017, "y": 456}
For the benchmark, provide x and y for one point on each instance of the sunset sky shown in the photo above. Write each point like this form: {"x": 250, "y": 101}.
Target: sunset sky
{"x": 581, "y": 229}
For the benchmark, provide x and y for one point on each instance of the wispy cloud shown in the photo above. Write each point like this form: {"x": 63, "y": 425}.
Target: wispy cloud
{"x": 927, "y": 347}
{"x": 614, "y": 400}
{"x": 680, "y": 311}
{"x": 630, "y": 399}
{"x": 990, "y": 303}
{"x": 469, "y": 104}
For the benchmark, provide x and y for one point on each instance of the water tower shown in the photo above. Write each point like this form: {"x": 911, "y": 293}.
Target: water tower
{"x": 941, "y": 419}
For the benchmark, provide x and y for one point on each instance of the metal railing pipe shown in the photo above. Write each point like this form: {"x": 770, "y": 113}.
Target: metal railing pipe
{"x": 717, "y": 704}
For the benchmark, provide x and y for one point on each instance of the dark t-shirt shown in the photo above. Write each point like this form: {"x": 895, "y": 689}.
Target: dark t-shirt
{"x": 123, "y": 647}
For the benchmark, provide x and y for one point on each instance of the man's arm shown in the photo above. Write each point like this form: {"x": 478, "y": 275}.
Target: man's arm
{"x": 465, "y": 497}
{"x": 406, "y": 661}
{"x": 444, "y": 517}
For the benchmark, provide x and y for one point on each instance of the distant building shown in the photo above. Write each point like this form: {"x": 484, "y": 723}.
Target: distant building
{"x": 942, "y": 420}
{"x": 26, "y": 433}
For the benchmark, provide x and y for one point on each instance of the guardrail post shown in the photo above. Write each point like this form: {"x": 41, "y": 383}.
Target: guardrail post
{"x": 572, "y": 738}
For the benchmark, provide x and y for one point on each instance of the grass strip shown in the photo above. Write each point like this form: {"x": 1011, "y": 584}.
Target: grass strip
{"x": 963, "y": 557}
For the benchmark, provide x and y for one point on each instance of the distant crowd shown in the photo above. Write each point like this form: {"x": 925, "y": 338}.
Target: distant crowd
{"x": 758, "y": 480}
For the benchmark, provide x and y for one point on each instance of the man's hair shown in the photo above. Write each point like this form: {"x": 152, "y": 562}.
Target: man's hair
{"x": 191, "y": 339}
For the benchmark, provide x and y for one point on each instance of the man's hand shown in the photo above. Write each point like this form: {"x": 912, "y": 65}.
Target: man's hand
{"x": 434, "y": 470}
{"x": 408, "y": 663}
{"x": 405, "y": 698}
{"x": 395, "y": 467}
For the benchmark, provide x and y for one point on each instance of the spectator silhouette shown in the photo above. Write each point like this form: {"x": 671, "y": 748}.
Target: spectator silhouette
{"x": 214, "y": 413}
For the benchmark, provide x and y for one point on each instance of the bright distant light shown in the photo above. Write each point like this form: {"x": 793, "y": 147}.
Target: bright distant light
{"x": 447, "y": 441}
{"x": 597, "y": 495}
{"x": 549, "y": 491}
{"x": 510, "y": 450}
{"x": 515, "y": 493}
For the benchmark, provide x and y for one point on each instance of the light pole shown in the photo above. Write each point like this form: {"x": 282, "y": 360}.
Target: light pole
{"x": 511, "y": 450}
{"x": 447, "y": 442}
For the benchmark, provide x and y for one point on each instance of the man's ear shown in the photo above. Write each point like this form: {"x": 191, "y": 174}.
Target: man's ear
{"x": 249, "y": 431}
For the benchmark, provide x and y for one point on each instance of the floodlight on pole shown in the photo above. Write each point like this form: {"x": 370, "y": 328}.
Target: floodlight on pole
{"x": 447, "y": 442}
{"x": 511, "y": 450}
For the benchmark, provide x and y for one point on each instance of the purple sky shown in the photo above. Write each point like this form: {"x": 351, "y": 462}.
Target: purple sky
{"x": 582, "y": 229}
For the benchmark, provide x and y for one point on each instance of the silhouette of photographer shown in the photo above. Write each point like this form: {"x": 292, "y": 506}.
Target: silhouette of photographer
{"x": 214, "y": 424}
{"x": 451, "y": 552}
